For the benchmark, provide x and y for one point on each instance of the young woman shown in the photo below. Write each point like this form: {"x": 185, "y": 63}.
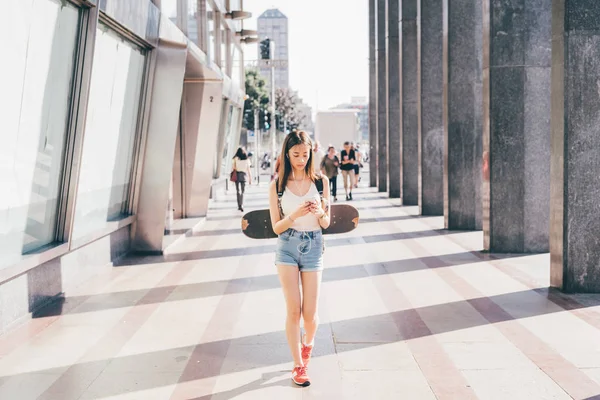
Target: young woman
{"x": 241, "y": 165}
{"x": 298, "y": 217}
{"x": 329, "y": 166}
{"x": 348, "y": 158}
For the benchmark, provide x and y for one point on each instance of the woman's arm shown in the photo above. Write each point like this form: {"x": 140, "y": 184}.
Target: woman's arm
{"x": 344, "y": 161}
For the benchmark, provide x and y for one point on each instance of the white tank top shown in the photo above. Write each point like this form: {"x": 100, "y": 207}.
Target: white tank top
{"x": 290, "y": 202}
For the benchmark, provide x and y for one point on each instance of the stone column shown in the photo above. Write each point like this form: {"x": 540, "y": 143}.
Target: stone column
{"x": 430, "y": 83}
{"x": 372, "y": 94}
{"x": 393, "y": 96}
{"x": 575, "y": 161}
{"x": 410, "y": 138}
{"x": 462, "y": 113}
{"x": 516, "y": 129}
{"x": 382, "y": 156}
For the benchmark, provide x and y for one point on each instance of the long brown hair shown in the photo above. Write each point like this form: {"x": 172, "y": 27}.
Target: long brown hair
{"x": 291, "y": 140}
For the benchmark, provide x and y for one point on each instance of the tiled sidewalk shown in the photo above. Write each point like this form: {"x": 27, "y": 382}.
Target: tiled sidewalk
{"x": 408, "y": 311}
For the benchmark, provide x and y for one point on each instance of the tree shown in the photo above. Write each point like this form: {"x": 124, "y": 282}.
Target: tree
{"x": 288, "y": 106}
{"x": 257, "y": 98}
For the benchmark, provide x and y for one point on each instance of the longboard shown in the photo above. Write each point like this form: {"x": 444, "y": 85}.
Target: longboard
{"x": 257, "y": 224}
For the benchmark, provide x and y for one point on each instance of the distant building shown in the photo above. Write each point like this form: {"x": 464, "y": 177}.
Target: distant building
{"x": 358, "y": 103}
{"x": 308, "y": 124}
{"x": 334, "y": 127}
{"x": 273, "y": 24}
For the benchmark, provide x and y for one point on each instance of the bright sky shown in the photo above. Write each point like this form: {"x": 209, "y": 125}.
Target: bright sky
{"x": 328, "y": 47}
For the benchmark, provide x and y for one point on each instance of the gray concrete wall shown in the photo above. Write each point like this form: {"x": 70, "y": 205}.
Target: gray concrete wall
{"x": 575, "y": 162}
{"x": 409, "y": 131}
{"x": 382, "y": 142}
{"x": 22, "y": 297}
{"x": 372, "y": 93}
{"x": 463, "y": 111}
{"x": 430, "y": 111}
{"x": 394, "y": 114}
{"x": 517, "y": 58}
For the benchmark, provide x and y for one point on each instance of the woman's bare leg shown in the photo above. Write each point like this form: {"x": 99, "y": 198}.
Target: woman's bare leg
{"x": 289, "y": 278}
{"x": 311, "y": 284}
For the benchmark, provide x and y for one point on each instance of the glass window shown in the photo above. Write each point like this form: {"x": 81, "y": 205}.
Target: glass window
{"x": 212, "y": 39}
{"x": 110, "y": 132}
{"x": 39, "y": 41}
{"x": 192, "y": 25}
{"x": 236, "y": 67}
{"x": 234, "y": 5}
{"x": 169, "y": 8}
{"x": 224, "y": 46}
{"x": 227, "y": 133}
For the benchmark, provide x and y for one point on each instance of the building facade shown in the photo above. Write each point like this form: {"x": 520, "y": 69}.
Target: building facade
{"x": 360, "y": 104}
{"x": 114, "y": 124}
{"x": 273, "y": 24}
{"x": 308, "y": 124}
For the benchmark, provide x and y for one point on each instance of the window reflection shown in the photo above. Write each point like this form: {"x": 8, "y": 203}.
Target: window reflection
{"x": 169, "y": 8}
{"x": 110, "y": 132}
{"x": 192, "y": 25}
{"x": 36, "y": 85}
{"x": 224, "y": 46}
{"x": 236, "y": 67}
{"x": 212, "y": 40}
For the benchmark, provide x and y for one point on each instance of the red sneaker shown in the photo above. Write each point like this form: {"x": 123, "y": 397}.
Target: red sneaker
{"x": 306, "y": 352}
{"x": 299, "y": 376}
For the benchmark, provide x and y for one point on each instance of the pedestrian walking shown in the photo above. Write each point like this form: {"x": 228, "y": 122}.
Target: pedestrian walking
{"x": 329, "y": 166}
{"x": 241, "y": 166}
{"x": 299, "y": 213}
{"x": 348, "y": 158}
{"x": 319, "y": 155}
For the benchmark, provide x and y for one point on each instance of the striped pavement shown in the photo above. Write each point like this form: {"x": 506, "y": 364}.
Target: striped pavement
{"x": 407, "y": 310}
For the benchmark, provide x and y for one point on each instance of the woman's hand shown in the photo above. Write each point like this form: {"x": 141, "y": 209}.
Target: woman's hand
{"x": 316, "y": 208}
{"x": 301, "y": 211}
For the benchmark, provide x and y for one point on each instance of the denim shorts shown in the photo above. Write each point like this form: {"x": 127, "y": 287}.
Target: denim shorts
{"x": 301, "y": 249}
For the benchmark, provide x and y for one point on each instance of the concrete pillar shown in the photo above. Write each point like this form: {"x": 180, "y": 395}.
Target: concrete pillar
{"x": 575, "y": 161}
{"x": 516, "y": 129}
{"x": 201, "y": 117}
{"x": 372, "y": 95}
{"x": 382, "y": 156}
{"x": 430, "y": 81}
{"x": 409, "y": 131}
{"x": 156, "y": 174}
{"x": 393, "y": 96}
{"x": 462, "y": 114}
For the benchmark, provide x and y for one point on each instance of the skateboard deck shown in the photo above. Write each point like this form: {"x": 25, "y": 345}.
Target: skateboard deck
{"x": 257, "y": 224}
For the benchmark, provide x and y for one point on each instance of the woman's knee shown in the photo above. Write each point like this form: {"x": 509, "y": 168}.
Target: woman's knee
{"x": 310, "y": 317}
{"x": 294, "y": 314}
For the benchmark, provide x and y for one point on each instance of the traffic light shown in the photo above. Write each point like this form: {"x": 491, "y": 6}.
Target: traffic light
{"x": 267, "y": 121}
{"x": 265, "y": 49}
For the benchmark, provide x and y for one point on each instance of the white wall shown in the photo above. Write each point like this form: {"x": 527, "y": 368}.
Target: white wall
{"x": 335, "y": 128}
